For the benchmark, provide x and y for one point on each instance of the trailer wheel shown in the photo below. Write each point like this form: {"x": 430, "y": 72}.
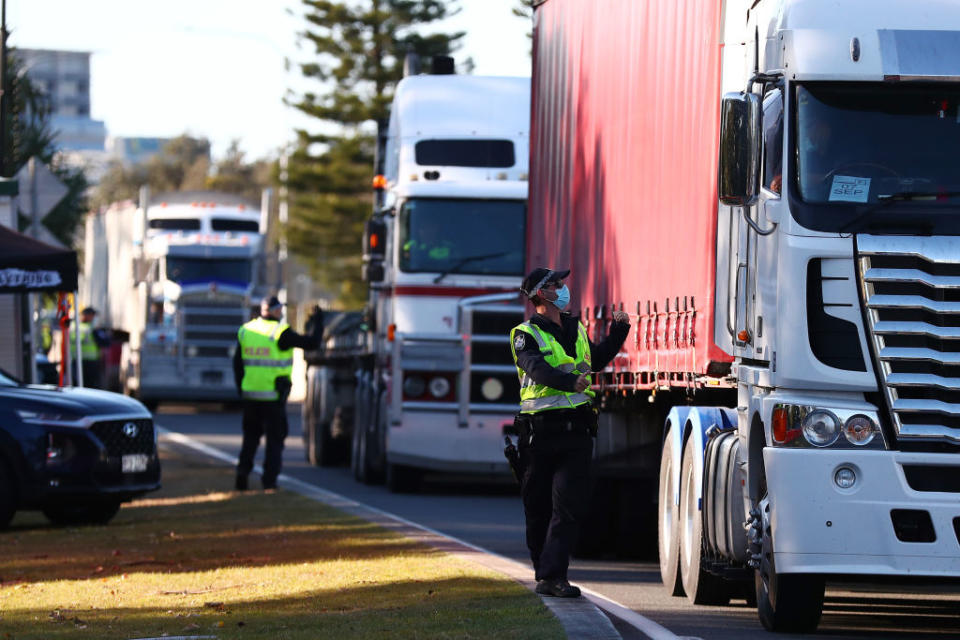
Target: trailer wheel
{"x": 791, "y": 603}
{"x": 668, "y": 519}
{"x": 8, "y": 495}
{"x": 701, "y": 587}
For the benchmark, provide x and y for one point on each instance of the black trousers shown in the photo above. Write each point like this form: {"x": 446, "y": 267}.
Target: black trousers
{"x": 555, "y": 489}
{"x": 263, "y": 418}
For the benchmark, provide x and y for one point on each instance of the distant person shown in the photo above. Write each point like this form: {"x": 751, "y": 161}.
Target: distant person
{"x": 557, "y": 422}
{"x": 91, "y": 341}
{"x": 262, "y": 365}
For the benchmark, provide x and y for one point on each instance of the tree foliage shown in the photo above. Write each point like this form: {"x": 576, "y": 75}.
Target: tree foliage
{"x": 359, "y": 47}
{"x": 182, "y": 165}
{"x": 28, "y": 134}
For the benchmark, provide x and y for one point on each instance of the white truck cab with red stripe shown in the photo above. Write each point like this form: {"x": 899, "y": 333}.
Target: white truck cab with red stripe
{"x": 444, "y": 255}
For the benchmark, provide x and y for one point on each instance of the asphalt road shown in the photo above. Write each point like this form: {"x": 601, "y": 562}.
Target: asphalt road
{"x": 491, "y": 517}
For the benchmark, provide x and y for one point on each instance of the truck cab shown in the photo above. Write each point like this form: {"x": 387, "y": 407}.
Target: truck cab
{"x": 444, "y": 255}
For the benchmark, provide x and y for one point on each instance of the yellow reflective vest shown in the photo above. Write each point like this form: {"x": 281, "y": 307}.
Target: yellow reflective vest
{"x": 89, "y": 349}
{"x": 535, "y": 397}
{"x": 263, "y": 361}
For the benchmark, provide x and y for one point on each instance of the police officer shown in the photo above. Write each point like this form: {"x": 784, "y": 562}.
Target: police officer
{"x": 557, "y": 422}
{"x": 261, "y": 365}
{"x": 91, "y": 341}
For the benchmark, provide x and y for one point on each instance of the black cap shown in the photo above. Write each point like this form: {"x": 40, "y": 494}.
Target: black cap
{"x": 88, "y": 310}
{"x": 539, "y": 277}
{"x": 268, "y": 303}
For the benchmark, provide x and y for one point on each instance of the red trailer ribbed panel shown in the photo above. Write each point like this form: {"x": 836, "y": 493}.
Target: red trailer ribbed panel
{"x": 625, "y": 127}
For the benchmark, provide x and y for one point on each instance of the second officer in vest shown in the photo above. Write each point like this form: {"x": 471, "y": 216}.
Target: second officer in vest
{"x": 557, "y": 422}
{"x": 262, "y": 365}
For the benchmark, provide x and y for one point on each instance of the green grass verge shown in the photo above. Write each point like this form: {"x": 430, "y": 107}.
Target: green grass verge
{"x": 194, "y": 560}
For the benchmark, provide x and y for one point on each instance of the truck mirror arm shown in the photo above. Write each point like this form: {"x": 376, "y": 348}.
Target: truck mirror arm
{"x": 755, "y": 226}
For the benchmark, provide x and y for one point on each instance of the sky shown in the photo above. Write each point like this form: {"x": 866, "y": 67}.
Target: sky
{"x": 215, "y": 68}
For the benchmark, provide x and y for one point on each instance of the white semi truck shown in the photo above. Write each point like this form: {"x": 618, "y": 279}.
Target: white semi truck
{"x": 425, "y": 382}
{"x": 770, "y": 189}
{"x": 179, "y": 274}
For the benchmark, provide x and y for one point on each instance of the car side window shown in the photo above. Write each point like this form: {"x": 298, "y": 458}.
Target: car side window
{"x": 773, "y": 140}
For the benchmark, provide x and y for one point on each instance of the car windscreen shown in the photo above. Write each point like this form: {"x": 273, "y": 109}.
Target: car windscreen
{"x": 192, "y": 270}
{"x": 858, "y": 145}
{"x": 462, "y": 236}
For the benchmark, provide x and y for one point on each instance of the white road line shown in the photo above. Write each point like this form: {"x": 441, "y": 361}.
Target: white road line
{"x": 641, "y": 623}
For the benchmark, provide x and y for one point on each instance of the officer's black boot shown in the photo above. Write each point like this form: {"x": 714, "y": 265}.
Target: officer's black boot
{"x": 241, "y": 483}
{"x": 557, "y": 587}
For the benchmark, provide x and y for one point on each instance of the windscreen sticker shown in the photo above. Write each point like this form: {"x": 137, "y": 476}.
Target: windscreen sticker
{"x": 849, "y": 189}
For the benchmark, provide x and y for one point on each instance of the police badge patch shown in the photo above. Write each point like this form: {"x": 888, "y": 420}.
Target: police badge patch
{"x": 518, "y": 342}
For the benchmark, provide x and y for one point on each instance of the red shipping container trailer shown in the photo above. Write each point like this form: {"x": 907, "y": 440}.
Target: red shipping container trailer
{"x": 624, "y": 135}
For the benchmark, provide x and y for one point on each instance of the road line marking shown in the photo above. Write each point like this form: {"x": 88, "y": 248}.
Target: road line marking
{"x": 643, "y": 624}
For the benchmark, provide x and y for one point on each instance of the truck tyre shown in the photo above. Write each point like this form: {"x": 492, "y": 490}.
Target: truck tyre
{"x": 791, "y": 603}
{"x": 360, "y": 417}
{"x": 8, "y": 495}
{"x": 701, "y": 586}
{"x": 668, "y": 519}
{"x": 84, "y": 513}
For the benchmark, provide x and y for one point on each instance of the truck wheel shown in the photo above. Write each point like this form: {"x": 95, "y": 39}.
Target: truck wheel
{"x": 83, "y": 513}
{"x": 668, "y": 520}
{"x": 403, "y": 479}
{"x": 791, "y": 603}
{"x": 320, "y": 451}
{"x": 361, "y": 416}
{"x": 701, "y": 587}
{"x": 8, "y": 495}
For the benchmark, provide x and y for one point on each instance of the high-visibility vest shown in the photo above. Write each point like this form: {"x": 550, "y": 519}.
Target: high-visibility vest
{"x": 439, "y": 252}
{"x": 89, "y": 349}
{"x": 263, "y": 361}
{"x": 535, "y": 397}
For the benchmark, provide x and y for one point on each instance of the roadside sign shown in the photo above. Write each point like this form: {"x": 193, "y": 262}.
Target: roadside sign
{"x": 42, "y": 182}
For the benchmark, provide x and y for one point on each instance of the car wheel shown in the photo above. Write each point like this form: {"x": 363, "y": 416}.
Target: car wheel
{"x": 668, "y": 520}
{"x": 83, "y": 513}
{"x": 8, "y": 495}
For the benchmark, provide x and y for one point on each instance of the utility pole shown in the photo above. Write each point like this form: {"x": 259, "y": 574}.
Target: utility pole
{"x": 3, "y": 89}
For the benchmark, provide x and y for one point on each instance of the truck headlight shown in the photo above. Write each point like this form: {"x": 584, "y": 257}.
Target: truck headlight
{"x": 797, "y": 425}
{"x": 414, "y": 386}
{"x": 439, "y": 387}
{"x": 491, "y": 389}
{"x": 820, "y": 427}
{"x": 860, "y": 430}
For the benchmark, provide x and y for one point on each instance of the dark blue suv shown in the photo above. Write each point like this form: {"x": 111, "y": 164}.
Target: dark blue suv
{"x": 76, "y": 454}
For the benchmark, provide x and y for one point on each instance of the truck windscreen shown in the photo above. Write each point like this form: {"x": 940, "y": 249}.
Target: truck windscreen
{"x": 194, "y": 270}
{"x": 462, "y": 236}
{"x": 867, "y": 153}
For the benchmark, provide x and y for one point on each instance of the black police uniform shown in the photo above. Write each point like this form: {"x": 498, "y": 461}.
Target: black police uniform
{"x": 270, "y": 418}
{"x": 556, "y": 447}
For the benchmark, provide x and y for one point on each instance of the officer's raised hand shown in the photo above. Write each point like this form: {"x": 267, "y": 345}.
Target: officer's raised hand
{"x": 621, "y": 316}
{"x": 582, "y": 382}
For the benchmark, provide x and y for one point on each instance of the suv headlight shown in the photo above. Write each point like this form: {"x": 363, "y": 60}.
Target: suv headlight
{"x": 805, "y": 426}
{"x": 50, "y": 418}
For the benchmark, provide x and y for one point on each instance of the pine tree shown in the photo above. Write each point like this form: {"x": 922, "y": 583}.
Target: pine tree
{"x": 360, "y": 48}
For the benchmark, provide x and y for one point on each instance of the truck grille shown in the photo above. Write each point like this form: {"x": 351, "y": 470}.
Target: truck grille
{"x": 911, "y": 286}
{"x": 490, "y": 356}
{"x": 212, "y": 327}
{"x": 117, "y": 440}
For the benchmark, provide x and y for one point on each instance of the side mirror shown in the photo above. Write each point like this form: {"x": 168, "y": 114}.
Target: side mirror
{"x": 739, "y": 172}
{"x": 374, "y": 240}
{"x": 373, "y": 271}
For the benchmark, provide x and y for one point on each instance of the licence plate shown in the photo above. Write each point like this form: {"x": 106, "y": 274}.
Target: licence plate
{"x": 134, "y": 463}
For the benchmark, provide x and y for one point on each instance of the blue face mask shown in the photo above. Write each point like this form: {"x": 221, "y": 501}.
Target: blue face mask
{"x": 563, "y": 298}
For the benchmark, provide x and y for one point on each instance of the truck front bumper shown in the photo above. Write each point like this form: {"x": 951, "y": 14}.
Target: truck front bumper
{"x": 819, "y": 527}
{"x": 433, "y": 440}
